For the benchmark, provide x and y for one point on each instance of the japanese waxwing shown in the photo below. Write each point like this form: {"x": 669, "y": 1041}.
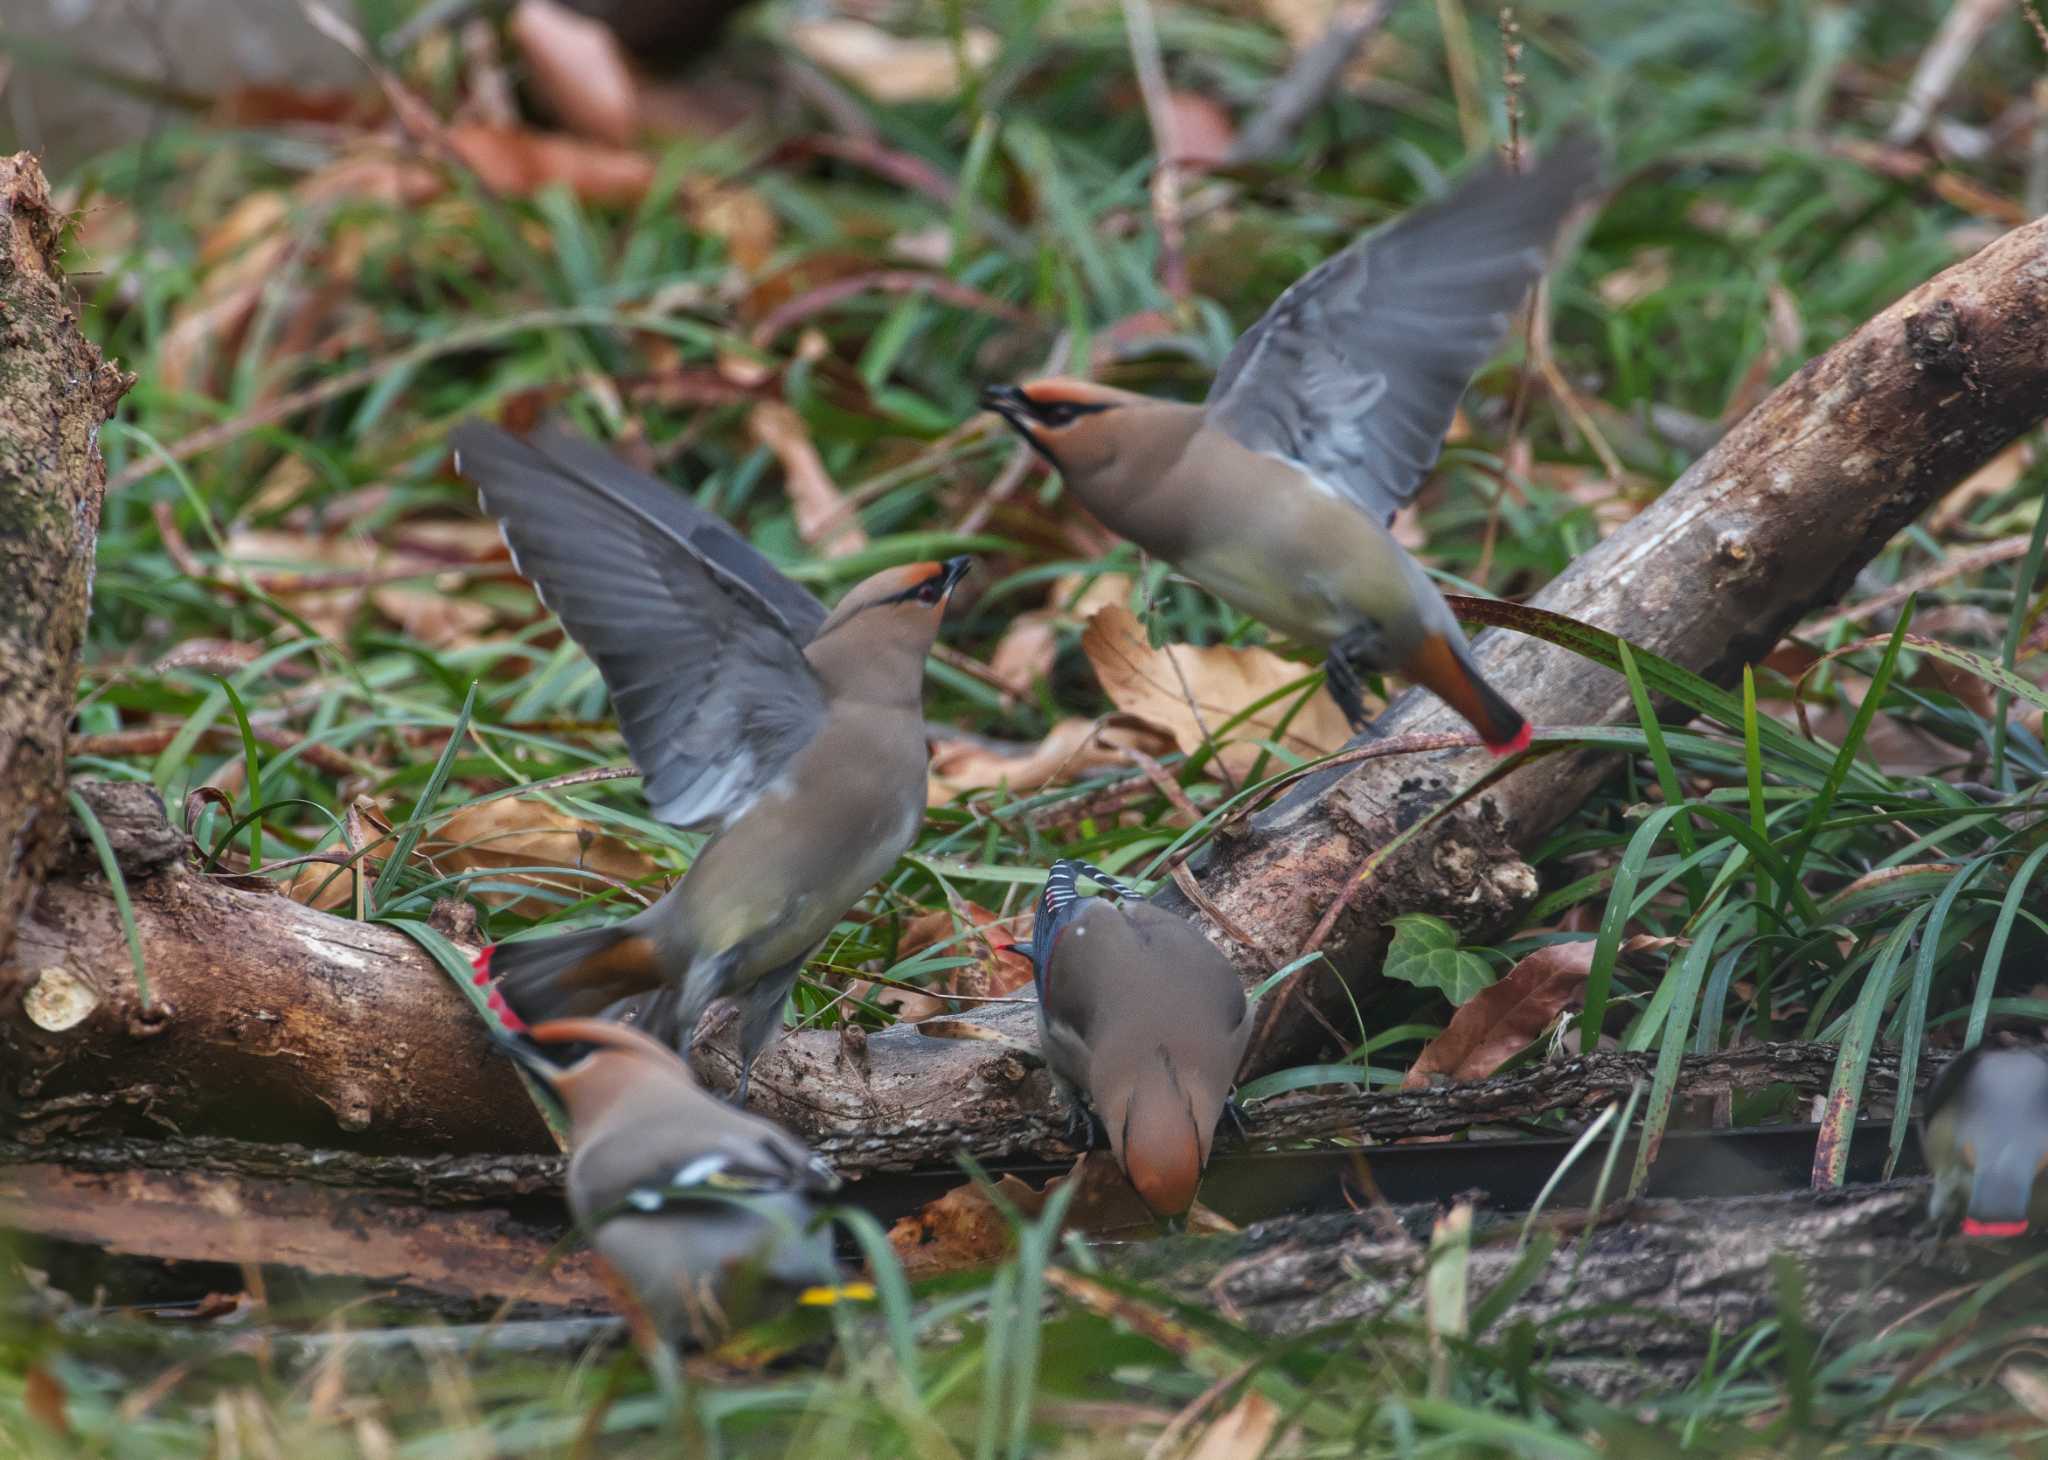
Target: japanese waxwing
{"x": 1142, "y": 1022}
{"x": 1985, "y": 1137}
{"x": 1276, "y": 493}
{"x": 796, "y": 736}
{"x": 703, "y": 1210}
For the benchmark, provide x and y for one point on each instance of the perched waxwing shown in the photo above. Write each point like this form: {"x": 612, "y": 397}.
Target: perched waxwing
{"x": 1275, "y": 494}
{"x": 1985, "y": 1137}
{"x": 704, "y": 1211}
{"x": 796, "y": 735}
{"x": 1142, "y": 1022}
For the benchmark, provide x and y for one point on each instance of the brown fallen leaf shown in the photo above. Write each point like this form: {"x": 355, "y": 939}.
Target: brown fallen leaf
{"x": 323, "y": 885}
{"x": 1071, "y": 749}
{"x": 44, "y": 1397}
{"x": 1222, "y": 681}
{"x": 824, "y": 520}
{"x": 1242, "y": 1434}
{"x": 961, "y": 1230}
{"x": 995, "y": 970}
{"x": 965, "y": 1229}
{"x": 1203, "y": 133}
{"x": 437, "y": 620}
{"x": 242, "y": 255}
{"x": 1025, "y": 653}
{"x": 516, "y": 162}
{"x": 1506, "y": 1017}
{"x": 515, "y": 832}
{"x": 892, "y": 68}
{"x": 738, "y": 217}
{"x": 578, "y": 69}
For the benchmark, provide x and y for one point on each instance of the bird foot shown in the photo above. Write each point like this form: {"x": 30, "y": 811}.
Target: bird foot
{"x": 1347, "y": 690}
{"x": 1233, "y": 1111}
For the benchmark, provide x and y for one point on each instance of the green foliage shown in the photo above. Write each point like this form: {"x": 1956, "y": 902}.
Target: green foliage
{"x": 1425, "y": 952}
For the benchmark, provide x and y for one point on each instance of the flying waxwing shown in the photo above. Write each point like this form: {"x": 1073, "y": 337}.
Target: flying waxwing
{"x": 702, "y": 1210}
{"x": 797, "y": 735}
{"x": 1275, "y": 493}
{"x": 1985, "y": 1137}
{"x": 1143, "y": 1022}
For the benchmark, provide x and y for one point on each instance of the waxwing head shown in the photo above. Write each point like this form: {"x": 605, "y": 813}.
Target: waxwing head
{"x": 1076, "y": 425}
{"x": 624, "y": 1060}
{"x": 902, "y": 604}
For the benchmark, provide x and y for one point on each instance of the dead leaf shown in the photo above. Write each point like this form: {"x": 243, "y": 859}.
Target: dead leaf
{"x": 964, "y": 1229}
{"x": 44, "y": 1397}
{"x": 1222, "y": 681}
{"x": 1071, "y": 749}
{"x": 892, "y": 68}
{"x": 1506, "y": 1017}
{"x": 1203, "y": 133}
{"x": 578, "y": 68}
{"x": 1994, "y": 478}
{"x": 961, "y": 1230}
{"x": 241, "y": 256}
{"x": 515, "y": 832}
{"x": 823, "y": 518}
{"x": 1025, "y": 653}
{"x": 516, "y": 162}
{"x": 437, "y": 620}
{"x": 1647, "y": 271}
{"x": 995, "y": 971}
{"x": 2028, "y": 1385}
{"x": 738, "y": 217}
{"x": 1242, "y": 1434}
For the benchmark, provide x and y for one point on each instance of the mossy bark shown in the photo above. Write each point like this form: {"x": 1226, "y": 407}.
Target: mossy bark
{"x": 55, "y": 393}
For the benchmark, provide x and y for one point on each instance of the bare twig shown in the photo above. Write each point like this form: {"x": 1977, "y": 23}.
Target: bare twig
{"x": 1961, "y": 29}
{"x": 1312, "y": 76}
{"x": 1166, "y": 215}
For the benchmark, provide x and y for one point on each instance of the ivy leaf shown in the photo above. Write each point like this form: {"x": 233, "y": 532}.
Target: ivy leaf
{"x": 1425, "y": 952}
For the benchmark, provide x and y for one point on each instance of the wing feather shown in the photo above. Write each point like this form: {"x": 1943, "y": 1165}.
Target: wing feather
{"x": 1356, "y": 370}
{"x": 699, "y": 647}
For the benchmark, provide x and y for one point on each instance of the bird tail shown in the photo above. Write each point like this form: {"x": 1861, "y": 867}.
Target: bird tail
{"x": 570, "y": 975}
{"x": 1443, "y": 665}
{"x": 2000, "y": 1192}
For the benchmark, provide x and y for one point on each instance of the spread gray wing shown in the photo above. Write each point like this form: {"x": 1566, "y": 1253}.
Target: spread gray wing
{"x": 696, "y": 644}
{"x": 1356, "y": 370}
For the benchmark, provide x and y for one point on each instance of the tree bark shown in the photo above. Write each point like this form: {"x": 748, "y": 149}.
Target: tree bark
{"x": 285, "y": 1024}
{"x": 1658, "y": 1282}
{"x": 55, "y": 393}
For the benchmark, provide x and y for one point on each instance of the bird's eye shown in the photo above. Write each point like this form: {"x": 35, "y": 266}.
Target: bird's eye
{"x": 930, "y": 591}
{"x": 1059, "y": 413}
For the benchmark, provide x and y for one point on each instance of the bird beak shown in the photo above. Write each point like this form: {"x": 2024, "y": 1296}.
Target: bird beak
{"x": 1008, "y": 402}
{"x": 956, "y": 569}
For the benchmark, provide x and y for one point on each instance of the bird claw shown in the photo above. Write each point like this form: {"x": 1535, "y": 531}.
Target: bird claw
{"x": 1343, "y": 683}
{"x": 1233, "y": 1110}
{"x": 1084, "y": 1130}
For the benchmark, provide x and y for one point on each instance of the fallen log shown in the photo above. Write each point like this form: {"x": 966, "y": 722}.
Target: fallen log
{"x": 1657, "y": 1286}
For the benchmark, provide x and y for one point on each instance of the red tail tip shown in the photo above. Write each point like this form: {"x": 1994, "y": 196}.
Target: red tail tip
{"x": 1518, "y": 741}
{"x": 1974, "y": 1228}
